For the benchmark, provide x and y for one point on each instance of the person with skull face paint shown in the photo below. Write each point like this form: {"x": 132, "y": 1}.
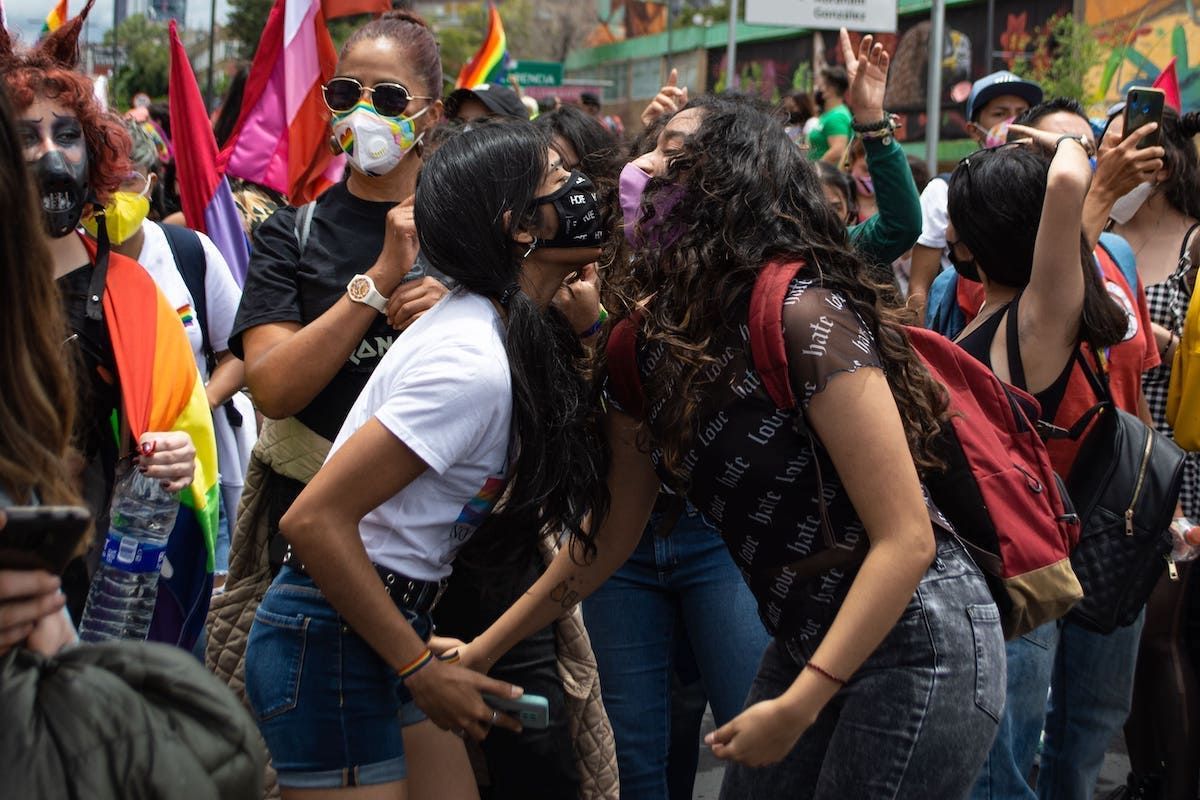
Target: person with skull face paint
{"x": 79, "y": 157}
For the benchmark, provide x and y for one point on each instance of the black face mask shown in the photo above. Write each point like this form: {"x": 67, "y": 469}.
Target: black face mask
{"x": 819, "y": 98}
{"x": 579, "y": 223}
{"x": 966, "y": 267}
{"x": 62, "y": 188}
{"x": 796, "y": 118}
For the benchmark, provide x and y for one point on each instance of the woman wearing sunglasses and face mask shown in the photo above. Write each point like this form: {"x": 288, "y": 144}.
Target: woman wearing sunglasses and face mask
{"x": 315, "y": 318}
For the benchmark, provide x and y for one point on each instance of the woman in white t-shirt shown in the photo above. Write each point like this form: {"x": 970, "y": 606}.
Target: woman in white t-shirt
{"x": 480, "y": 398}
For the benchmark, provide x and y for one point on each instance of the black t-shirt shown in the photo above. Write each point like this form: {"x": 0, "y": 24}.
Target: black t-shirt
{"x": 752, "y": 470}
{"x": 284, "y": 285}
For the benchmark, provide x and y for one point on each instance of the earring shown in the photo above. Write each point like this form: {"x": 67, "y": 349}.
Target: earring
{"x": 334, "y": 147}
{"x": 532, "y": 247}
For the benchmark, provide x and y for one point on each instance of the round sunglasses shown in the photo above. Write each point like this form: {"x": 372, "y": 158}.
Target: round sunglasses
{"x": 388, "y": 99}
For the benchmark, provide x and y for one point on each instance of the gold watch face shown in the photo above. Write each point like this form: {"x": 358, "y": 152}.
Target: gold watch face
{"x": 358, "y": 289}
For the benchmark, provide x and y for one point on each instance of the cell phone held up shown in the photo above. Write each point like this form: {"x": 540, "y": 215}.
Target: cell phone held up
{"x": 41, "y": 537}
{"x": 1144, "y": 105}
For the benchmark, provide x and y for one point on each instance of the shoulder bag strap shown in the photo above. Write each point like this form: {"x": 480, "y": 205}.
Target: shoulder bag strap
{"x": 189, "y": 258}
{"x": 303, "y": 224}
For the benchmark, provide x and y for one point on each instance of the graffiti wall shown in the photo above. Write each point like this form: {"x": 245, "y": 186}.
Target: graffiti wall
{"x": 1142, "y": 36}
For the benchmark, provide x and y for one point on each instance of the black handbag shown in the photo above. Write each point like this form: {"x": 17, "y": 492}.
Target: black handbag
{"x": 1125, "y": 484}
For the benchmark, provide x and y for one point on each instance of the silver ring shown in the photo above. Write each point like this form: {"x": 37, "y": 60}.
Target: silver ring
{"x": 494, "y": 715}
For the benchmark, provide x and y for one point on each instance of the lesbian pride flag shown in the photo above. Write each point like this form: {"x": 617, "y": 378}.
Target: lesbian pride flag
{"x": 282, "y": 135}
{"x": 489, "y": 64}
{"x": 204, "y": 193}
{"x": 161, "y": 390}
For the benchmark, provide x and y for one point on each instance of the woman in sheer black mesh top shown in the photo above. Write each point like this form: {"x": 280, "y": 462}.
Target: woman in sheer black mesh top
{"x": 885, "y": 675}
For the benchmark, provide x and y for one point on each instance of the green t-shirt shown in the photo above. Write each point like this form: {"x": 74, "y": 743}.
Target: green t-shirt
{"x": 834, "y": 122}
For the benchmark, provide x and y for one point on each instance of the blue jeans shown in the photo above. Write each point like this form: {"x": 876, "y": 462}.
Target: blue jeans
{"x": 672, "y": 587}
{"x": 917, "y": 718}
{"x": 329, "y": 708}
{"x": 1089, "y": 677}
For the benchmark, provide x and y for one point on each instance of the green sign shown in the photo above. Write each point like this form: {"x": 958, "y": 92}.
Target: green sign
{"x": 538, "y": 73}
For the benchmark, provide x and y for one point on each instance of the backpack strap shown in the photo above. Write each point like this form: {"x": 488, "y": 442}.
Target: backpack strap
{"x": 1122, "y": 256}
{"x": 193, "y": 266}
{"x": 303, "y": 223}
{"x": 624, "y": 377}
{"x": 1187, "y": 237}
{"x": 767, "y": 346}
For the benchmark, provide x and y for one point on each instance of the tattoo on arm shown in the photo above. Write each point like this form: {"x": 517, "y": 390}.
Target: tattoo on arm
{"x": 564, "y": 596}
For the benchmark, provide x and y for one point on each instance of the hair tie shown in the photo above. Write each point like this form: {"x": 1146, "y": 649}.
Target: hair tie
{"x": 507, "y": 294}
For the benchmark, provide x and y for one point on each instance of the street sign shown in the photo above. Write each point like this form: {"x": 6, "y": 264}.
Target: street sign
{"x": 537, "y": 73}
{"x": 872, "y": 16}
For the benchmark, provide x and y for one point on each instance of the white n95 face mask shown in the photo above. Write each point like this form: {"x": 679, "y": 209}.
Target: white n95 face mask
{"x": 375, "y": 144}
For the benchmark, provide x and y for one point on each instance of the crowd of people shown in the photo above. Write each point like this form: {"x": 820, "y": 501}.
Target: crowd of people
{"x": 499, "y": 421}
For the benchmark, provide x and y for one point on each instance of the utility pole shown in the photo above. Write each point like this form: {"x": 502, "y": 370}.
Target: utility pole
{"x": 933, "y": 102}
{"x": 212, "y": 35}
{"x": 731, "y": 48}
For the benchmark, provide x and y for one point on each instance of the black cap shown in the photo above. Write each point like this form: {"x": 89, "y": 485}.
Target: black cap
{"x": 589, "y": 99}
{"x": 498, "y": 99}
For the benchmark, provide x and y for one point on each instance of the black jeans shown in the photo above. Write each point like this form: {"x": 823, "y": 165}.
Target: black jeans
{"x": 532, "y": 765}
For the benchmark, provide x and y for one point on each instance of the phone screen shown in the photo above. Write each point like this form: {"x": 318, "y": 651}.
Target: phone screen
{"x": 1142, "y": 106}
{"x": 41, "y": 537}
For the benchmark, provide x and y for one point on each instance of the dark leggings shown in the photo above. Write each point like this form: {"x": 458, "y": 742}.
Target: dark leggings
{"x": 1163, "y": 730}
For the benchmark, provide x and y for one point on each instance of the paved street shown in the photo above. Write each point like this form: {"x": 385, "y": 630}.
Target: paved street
{"x": 708, "y": 774}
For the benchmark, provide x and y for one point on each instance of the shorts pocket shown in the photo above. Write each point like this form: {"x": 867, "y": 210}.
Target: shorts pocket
{"x": 990, "y": 665}
{"x": 274, "y": 662}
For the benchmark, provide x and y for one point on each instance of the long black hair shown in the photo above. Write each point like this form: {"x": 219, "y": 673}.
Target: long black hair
{"x": 467, "y": 188}
{"x": 995, "y": 202}
{"x": 748, "y": 196}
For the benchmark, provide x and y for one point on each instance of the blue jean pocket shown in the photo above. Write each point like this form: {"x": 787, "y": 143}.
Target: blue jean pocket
{"x": 274, "y": 662}
{"x": 990, "y": 666}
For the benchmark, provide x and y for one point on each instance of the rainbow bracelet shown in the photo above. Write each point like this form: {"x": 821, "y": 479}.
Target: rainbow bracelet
{"x": 416, "y": 665}
{"x": 596, "y": 326}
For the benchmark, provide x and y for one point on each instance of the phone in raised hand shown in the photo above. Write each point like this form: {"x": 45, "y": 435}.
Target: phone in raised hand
{"x": 1144, "y": 105}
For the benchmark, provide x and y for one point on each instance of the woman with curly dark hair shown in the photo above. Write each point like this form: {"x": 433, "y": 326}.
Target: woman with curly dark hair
{"x": 884, "y": 674}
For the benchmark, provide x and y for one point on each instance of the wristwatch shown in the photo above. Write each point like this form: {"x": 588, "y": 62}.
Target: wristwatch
{"x": 361, "y": 289}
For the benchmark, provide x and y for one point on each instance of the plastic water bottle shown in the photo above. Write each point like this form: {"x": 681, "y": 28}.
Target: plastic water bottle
{"x": 120, "y": 603}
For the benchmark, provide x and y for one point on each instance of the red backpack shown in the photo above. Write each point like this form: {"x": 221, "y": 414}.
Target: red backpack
{"x": 998, "y": 489}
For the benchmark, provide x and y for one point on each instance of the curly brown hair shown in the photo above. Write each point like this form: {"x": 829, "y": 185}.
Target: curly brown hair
{"x": 48, "y": 70}
{"x": 751, "y": 198}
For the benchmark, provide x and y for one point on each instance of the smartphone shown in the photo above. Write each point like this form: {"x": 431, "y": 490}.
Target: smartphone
{"x": 1144, "y": 105}
{"x": 531, "y": 710}
{"x": 41, "y": 537}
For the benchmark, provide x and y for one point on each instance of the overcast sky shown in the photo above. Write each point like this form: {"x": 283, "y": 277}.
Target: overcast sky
{"x": 26, "y": 16}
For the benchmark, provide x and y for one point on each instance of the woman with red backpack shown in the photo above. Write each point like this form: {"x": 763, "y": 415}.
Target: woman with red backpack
{"x": 884, "y": 676}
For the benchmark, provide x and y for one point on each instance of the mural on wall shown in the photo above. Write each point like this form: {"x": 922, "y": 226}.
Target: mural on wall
{"x": 1144, "y": 35}
{"x": 767, "y": 70}
{"x": 617, "y": 20}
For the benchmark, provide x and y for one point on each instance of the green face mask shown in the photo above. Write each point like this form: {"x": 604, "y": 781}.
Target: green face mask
{"x": 122, "y": 217}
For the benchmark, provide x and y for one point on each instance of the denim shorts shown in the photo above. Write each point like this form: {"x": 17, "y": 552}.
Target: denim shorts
{"x": 331, "y": 710}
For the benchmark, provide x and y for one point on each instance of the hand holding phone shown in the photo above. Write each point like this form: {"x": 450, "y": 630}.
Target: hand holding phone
{"x": 531, "y": 710}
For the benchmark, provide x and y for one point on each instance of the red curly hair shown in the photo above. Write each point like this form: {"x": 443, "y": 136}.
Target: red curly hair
{"x": 48, "y": 70}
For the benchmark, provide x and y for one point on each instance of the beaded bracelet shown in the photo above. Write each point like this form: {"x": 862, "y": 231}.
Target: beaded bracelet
{"x": 824, "y": 673}
{"x": 878, "y": 125}
{"x": 416, "y": 665}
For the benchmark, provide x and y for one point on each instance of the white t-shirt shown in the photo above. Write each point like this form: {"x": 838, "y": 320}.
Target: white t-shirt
{"x": 444, "y": 390}
{"x": 935, "y": 218}
{"x": 222, "y": 296}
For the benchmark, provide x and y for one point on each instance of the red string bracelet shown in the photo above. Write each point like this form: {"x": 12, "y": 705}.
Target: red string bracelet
{"x": 824, "y": 673}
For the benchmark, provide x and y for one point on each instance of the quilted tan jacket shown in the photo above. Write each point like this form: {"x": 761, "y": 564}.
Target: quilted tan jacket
{"x": 586, "y": 718}
{"x": 291, "y": 449}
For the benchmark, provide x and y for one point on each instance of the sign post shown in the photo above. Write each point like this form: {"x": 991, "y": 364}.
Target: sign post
{"x": 873, "y": 16}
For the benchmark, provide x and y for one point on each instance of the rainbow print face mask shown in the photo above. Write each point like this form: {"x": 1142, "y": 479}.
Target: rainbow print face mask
{"x": 373, "y": 143}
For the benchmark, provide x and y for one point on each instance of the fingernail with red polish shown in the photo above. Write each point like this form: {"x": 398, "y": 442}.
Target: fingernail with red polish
{"x": 148, "y": 448}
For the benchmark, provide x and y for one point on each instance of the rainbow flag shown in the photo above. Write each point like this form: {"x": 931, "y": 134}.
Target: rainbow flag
{"x": 490, "y": 62}
{"x": 161, "y": 390}
{"x": 281, "y": 139}
{"x": 56, "y": 17}
{"x": 204, "y": 192}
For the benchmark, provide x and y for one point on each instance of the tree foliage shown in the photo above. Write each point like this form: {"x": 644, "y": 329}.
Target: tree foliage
{"x": 1064, "y": 52}
{"x": 247, "y": 18}
{"x": 144, "y": 61}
